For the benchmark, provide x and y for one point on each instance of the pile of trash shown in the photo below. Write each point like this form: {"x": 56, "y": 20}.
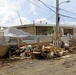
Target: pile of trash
{"x": 37, "y": 51}
{"x": 72, "y": 49}
{"x": 72, "y": 46}
{"x": 48, "y": 51}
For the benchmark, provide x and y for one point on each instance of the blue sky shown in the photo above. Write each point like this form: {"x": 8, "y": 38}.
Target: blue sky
{"x": 33, "y": 10}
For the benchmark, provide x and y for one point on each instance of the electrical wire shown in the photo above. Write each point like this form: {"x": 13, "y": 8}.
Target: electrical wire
{"x": 42, "y": 8}
{"x": 63, "y": 20}
{"x": 67, "y": 11}
{"x": 33, "y": 3}
{"x": 46, "y": 6}
{"x": 51, "y": 16}
{"x": 67, "y": 16}
{"x": 55, "y": 12}
{"x": 36, "y": 5}
{"x": 59, "y": 8}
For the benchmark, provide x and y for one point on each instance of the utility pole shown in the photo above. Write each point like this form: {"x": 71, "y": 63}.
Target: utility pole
{"x": 56, "y": 40}
{"x": 19, "y": 17}
{"x": 57, "y": 34}
{"x": 57, "y": 23}
{"x": 57, "y": 16}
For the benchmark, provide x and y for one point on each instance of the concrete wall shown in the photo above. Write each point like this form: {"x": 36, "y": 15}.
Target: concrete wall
{"x": 31, "y": 30}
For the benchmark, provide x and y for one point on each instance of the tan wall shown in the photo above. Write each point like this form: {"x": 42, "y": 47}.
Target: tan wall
{"x": 74, "y": 30}
{"x": 31, "y": 30}
{"x": 62, "y": 29}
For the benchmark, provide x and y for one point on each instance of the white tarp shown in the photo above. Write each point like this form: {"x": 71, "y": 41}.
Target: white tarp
{"x": 14, "y": 32}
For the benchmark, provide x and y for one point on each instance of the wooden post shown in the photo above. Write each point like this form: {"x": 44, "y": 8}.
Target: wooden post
{"x": 38, "y": 41}
{"x": 19, "y": 42}
{"x": 9, "y": 54}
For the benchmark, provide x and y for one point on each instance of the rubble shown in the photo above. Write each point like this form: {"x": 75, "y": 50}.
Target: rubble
{"x": 72, "y": 49}
{"x": 49, "y": 51}
{"x": 72, "y": 46}
{"x": 37, "y": 51}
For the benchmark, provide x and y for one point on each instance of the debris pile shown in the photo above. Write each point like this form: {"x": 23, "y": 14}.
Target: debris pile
{"x": 37, "y": 51}
{"x": 72, "y": 49}
{"x": 49, "y": 51}
{"x": 72, "y": 46}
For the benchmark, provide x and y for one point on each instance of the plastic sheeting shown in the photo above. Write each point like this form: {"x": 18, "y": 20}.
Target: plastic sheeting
{"x": 14, "y": 32}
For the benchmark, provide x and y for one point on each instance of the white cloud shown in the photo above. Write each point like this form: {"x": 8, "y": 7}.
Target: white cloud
{"x": 71, "y": 23}
{"x": 23, "y": 19}
{"x": 9, "y": 16}
{"x": 43, "y": 20}
{"x": 34, "y": 4}
{"x": 32, "y": 7}
{"x": 8, "y": 11}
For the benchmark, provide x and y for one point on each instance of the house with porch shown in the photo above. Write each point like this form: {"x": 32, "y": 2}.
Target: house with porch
{"x": 47, "y": 29}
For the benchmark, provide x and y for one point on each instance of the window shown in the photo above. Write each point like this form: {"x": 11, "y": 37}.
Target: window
{"x": 70, "y": 31}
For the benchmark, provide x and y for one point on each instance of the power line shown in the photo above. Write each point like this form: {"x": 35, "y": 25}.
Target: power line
{"x": 50, "y": 6}
{"x": 33, "y": 3}
{"x": 67, "y": 16}
{"x": 55, "y": 12}
{"x": 40, "y": 7}
{"x": 59, "y": 8}
{"x": 46, "y": 6}
{"x": 51, "y": 16}
{"x": 67, "y": 11}
{"x": 36, "y": 4}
